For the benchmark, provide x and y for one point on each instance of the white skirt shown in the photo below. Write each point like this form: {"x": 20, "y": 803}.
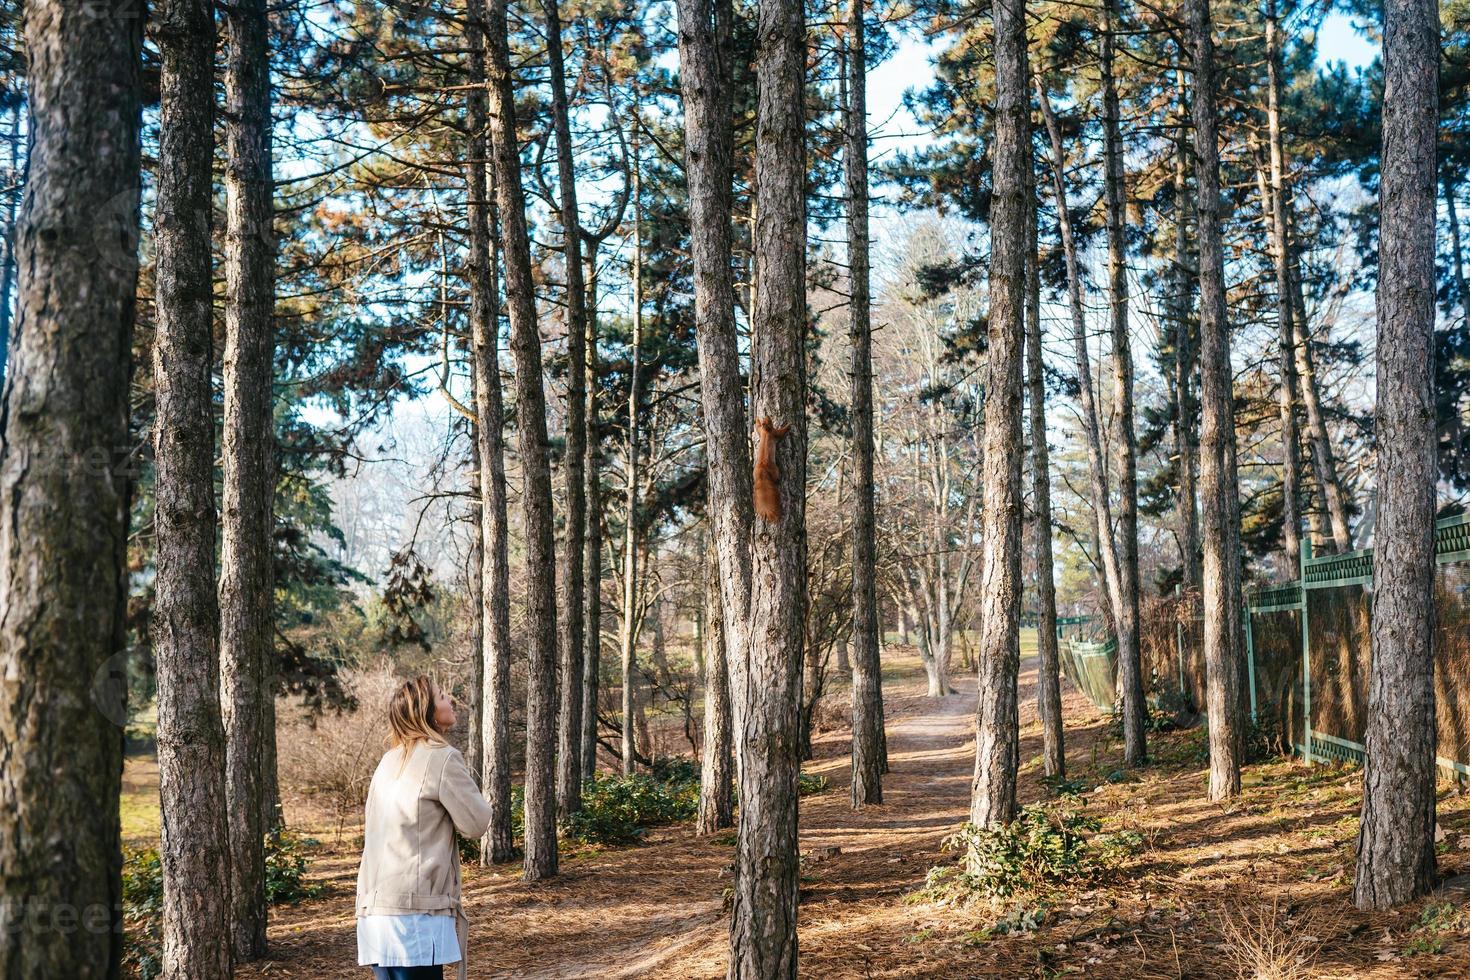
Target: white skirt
{"x": 407, "y": 940}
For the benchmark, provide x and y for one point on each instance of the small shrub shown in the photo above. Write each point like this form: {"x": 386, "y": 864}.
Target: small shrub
{"x": 285, "y": 868}
{"x": 618, "y": 810}
{"x": 809, "y": 783}
{"x": 142, "y": 881}
{"x": 1062, "y": 786}
{"x": 1435, "y": 921}
{"x": 1048, "y": 844}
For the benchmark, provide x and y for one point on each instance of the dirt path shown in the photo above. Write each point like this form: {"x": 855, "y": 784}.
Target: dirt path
{"x": 657, "y": 910}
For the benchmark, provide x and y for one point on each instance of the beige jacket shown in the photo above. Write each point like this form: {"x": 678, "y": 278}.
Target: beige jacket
{"x": 410, "y": 861}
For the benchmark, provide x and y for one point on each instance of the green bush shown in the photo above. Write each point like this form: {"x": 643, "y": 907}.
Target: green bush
{"x": 142, "y": 882}
{"x": 285, "y": 868}
{"x": 807, "y": 784}
{"x": 619, "y": 809}
{"x": 1048, "y": 844}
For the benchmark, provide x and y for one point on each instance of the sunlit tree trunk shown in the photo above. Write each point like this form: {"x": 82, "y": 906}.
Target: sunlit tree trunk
{"x": 63, "y": 531}
{"x": 768, "y": 688}
{"x": 196, "y": 852}
{"x": 1324, "y": 461}
{"x": 1280, "y": 256}
{"x": 628, "y": 636}
{"x": 1130, "y": 667}
{"x": 997, "y": 735}
{"x": 540, "y": 544}
{"x": 569, "y": 727}
{"x": 498, "y": 845}
{"x": 247, "y": 574}
{"x": 592, "y": 547}
{"x": 868, "y": 763}
{"x": 1048, "y": 666}
{"x": 1186, "y": 421}
{"x": 717, "y": 772}
{"x": 1396, "y": 838}
{"x": 1218, "y": 486}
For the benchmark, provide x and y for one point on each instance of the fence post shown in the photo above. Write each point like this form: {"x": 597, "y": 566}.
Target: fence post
{"x": 1306, "y": 555}
{"x": 1179, "y": 638}
{"x": 1250, "y": 656}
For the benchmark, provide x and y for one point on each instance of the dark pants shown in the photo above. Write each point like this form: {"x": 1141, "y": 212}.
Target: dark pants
{"x": 408, "y": 973}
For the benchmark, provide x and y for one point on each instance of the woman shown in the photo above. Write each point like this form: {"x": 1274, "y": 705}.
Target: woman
{"x": 410, "y": 921}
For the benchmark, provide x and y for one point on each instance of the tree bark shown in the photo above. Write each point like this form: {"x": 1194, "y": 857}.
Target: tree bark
{"x": 705, "y": 52}
{"x": 868, "y": 763}
{"x": 569, "y": 727}
{"x": 1324, "y": 463}
{"x": 198, "y": 933}
{"x": 1115, "y": 198}
{"x": 997, "y": 727}
{"x": 1186, "y": 418}
{"x": 1396, "y": 838}
{"x": 474, "y": 571}
{"x": 1286, "y": 391}
{"x": 540, "y": 543}
{"x": 63, "y": 531}
{"x": 768, "y": 687}
{"x": 717, "y": 771}
{"x": 628, "y": 634}
{"x": 1048, "y": 667}
{"x": 1222, "y": 600}
{"x": 592, "y": 559}
{"x": 246, "y": 588}
{"x": 1108, "y": 556}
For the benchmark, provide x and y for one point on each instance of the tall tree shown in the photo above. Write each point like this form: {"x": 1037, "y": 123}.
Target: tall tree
{"x": 868, "y": 762}
{"x": 705, "y": 53}
{"x": 1125, "y": 610}
{"x": 1396, "y": 837}
{"x": 63, "y": 533}
{"x": 717, "y": 771}
{"x": 525, "y": 343}
{"x": 1186, "y": 423}
{"x": 997, "y": 733}
{"x": 246, "y": 587}
{"x": 1221, "y": 524}
{"x": 569, "y": 727}
{"x": 499, "y": 845}
{"x": 1280, "y": 258}
{"x": 628, "y": 635}
{"x": 1048, "y": 666}
{"x": 767, "y": 685}
{"x": 197, "y": 933}
{"x": 592, "y": 545}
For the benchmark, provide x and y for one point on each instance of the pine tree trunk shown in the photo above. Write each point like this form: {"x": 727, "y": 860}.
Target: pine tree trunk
{"x": 1107, "y": 550}
{"x": 1186, "y": 415}
{"x": 1286, "y": 391}
{"x": 63, "y": 531}
{"x": 1396, "y": 839}
{"x": 569, "y": 722}
{"x": 474, "y": 572}
{"x": 1048, "y": 666}
{"x": 1324, "y": 462}
{"x": 705, "y": 50}
{"x": 246, "y": 588}
{"x": 997, "y": 732}
{"x": 498, "y": 845}
{"x": 1222, "y": 609}
{"x": 768, "y": 689}
{"x": 1115, "y": 197}
{"x": 7, "y": 267}
{"x": 592, "y": 556}
{"x": 867, "y": 670}
{"x": 197, "y": 928}
{"x": 717, "y": 772}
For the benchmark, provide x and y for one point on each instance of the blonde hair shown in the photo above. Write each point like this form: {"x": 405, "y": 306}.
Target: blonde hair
{"x": 411, "y": 716}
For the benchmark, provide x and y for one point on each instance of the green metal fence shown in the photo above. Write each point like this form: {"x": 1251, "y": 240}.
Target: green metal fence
{"x": 1308, "y": 649}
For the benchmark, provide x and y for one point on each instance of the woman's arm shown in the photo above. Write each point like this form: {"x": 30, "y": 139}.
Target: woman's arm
{"x": 461, "y": 797}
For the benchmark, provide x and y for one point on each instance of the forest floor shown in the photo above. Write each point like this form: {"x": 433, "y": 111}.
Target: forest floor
{"x": 1256, "y": 887}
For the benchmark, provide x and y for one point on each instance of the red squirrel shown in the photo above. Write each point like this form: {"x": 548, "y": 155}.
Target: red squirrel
{"x": 767, "y": 494}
